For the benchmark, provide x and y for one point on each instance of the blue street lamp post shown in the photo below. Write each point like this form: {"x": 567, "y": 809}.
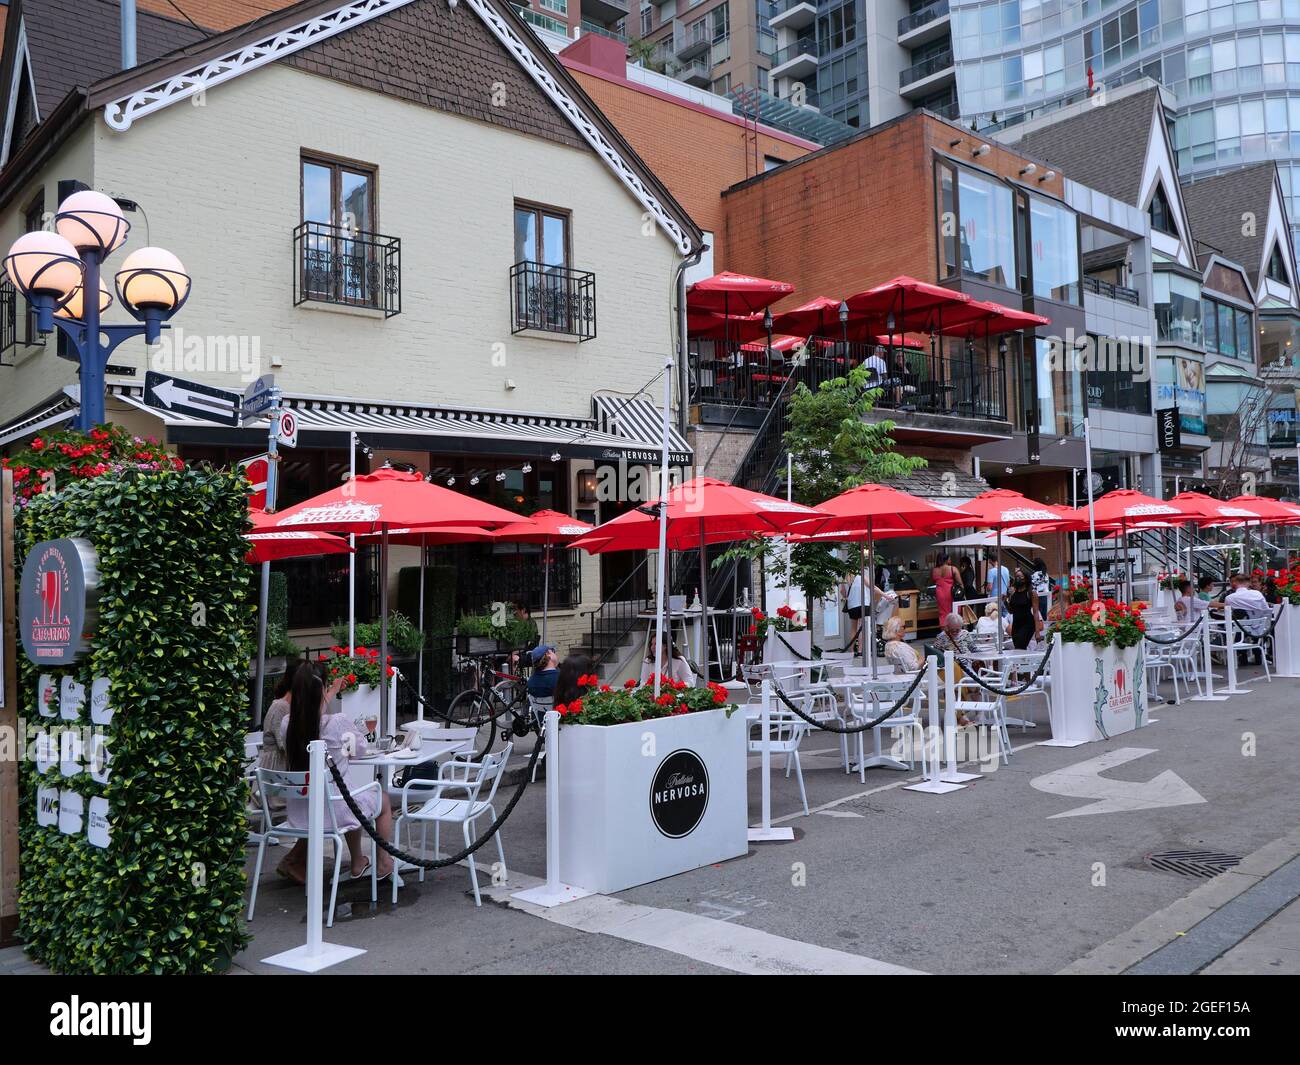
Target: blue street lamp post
{"x": 55, "y": 271}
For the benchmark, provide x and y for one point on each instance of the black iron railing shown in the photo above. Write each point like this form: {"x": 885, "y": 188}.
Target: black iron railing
{"x": 8, "y": 316}
{"x": 916, "y": 19}
{"x": 925, "y": 68}
{"x": 1116, "y": 292}
{"x": 334, "y": 264}
{"x": 518, "y": 578}
{"x": 966, "y": 383}
{"x": 553, "y": 299}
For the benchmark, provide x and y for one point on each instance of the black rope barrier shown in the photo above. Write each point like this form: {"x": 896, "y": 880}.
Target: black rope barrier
{"x": 1260, "y": 635}
{"x": 438, "y": 863}
{"x": 794, "y": 651}
{"x": 849, "y": 730}
{"x": 1177, "y": 639}
{"x": 973, "y": 673}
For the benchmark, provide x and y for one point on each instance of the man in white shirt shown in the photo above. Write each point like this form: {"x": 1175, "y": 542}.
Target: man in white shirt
{"x": 1249, "y": 607}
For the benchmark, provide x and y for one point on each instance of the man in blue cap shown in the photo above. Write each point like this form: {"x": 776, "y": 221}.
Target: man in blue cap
{"x": 546, "y": 667}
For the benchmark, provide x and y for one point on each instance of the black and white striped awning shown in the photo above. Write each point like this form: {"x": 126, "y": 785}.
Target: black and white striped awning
{"x": 327, "y": 421}
{"x": 637, "y": 419}
{"x": 53, "y": 413}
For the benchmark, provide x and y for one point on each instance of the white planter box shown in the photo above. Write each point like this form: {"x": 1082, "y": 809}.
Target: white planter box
{"x": 1097, "y": 692}
{"x": 650, "y": 799}
{"x": 1286, "y": 641}
{"x": 776, "y": 651}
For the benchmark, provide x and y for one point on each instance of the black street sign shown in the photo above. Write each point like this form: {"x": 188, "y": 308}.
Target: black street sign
{"x": 1169, "y": 429}
{"x": 191, "y": 398}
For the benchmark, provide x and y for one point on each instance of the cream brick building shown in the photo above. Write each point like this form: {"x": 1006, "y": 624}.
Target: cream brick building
{"x": 467, "y": 149}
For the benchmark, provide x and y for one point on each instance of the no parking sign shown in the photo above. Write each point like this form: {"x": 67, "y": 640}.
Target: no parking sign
{"x": 286, "y": 429}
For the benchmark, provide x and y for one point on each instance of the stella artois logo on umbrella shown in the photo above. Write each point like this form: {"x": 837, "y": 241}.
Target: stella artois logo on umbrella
{"x": 1139, "y": 510}
{"x": 334, "y": 512}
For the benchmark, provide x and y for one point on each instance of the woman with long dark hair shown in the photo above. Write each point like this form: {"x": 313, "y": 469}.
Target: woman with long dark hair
{"x": 310, "y": 720}
{"x": 566, "y": 680}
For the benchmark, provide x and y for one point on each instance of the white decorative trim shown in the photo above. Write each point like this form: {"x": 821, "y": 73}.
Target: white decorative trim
{"x": 22, "y": 62}
{"x": 526, "y": 58}
{"x": 1159, "y": 168}
{"x": 119, "y": 114}
{"x": 1276, "y": 235}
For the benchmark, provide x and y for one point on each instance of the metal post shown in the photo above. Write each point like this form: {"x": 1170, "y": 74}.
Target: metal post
{"x": 1092, "y": 514}
{"x": 352, "y": 555}
{"x": 317, "y": 954}
{"x": 419, "y": 662}
{"x": 702, "y": 639}
{"x": 936, "y": 782}
{"x": 92, "y": 356}
{"x": 264, "y": 593}
{"x": 387, "y": 711}
{"x": 546, "y": 586}
{"x": 553, "y": 892}
{"x": 765, "y": 831}
{"x": 1207, "y": 666}
{"x": 662, "y": 561}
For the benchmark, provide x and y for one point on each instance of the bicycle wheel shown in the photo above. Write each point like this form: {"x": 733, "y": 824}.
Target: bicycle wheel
{"x": 472, "y": 709}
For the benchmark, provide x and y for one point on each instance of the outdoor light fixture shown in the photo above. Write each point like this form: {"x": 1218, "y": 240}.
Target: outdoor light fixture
{"x": 953, "y": 144}
{"x": 1002, "y": 346}
{"x": 501, "y": 476}
{"x": 528, "y": 467}
{"x": 91, "y": 221}
{"x": 451, "y": 481}
{"x": 73, "y": 306}
{"x": 53, "y": 270}
{"x": 587, "y": 486}
{"x": 555, "y": 456}
{"x": 767, "y": 319}
{"x": 889, "y": 323}
{"x": 844, "y": 312}
{"x": 1030, "y": 168}
{"x": 474, "y": 479}
{"x": 983, "y": 149}
{"x": 1048, "y": 175}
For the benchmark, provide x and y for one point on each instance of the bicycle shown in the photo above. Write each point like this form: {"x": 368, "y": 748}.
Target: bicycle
{"x": 496, "y": 700}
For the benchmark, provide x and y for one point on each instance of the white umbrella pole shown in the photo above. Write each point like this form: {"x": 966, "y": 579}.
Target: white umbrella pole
{"x": 870, "y": 614}
{"x": 703, "y": 638}
{"x": 387, "y": 711}
{"x": 419, "y": 662}
{"x": 1001, "y": 585}
{"x": 663, "y": 522}
{"x": 352, "y": 555}
{"x": 1092, "y": 514}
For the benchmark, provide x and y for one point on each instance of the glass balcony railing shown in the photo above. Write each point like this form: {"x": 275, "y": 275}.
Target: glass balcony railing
{"x": 925, "y": 68}
{"x": 917, "y": 19}
{"x": 794, "y": 51}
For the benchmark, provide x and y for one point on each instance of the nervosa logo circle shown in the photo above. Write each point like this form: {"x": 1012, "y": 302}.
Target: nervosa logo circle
{"x": 679, "y": 794}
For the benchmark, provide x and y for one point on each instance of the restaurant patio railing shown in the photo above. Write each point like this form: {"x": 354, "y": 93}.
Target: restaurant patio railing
{"x": 965, "y": 383}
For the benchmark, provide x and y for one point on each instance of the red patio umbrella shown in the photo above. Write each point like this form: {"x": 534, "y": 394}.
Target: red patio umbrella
{"x": 380, "y": 502}
{"x": 818, "y": 317}
{"x": 904, "y": 304}
{"x": 1204, "y": 510}
{"x": 705, "y": 325}
{"x": 275, "y": 545}
{"x": 1130, "y": 509}
{"x": 881, "y": 512}
{"x": 545, "y": 527}
{"x": 696, "y": 513}
{"x": 730, "y": 293}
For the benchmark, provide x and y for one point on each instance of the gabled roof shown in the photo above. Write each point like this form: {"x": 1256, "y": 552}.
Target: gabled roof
{"x": 1230, "y": 212}
{"x": 1102, "y": 147}
{"x": 131, "y": 95}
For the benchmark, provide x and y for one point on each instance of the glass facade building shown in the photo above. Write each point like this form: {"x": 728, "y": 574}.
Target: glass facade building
{"x": 1233, "y": 67}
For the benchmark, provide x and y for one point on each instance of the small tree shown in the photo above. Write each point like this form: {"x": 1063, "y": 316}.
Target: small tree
{"x": 835, "y": 448}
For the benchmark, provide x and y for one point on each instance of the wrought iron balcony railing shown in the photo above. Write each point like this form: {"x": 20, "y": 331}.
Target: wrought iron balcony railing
{"x": 334, "y": 264}
{"x": 553, "y": 299}
{"x": 1116, "y": 292}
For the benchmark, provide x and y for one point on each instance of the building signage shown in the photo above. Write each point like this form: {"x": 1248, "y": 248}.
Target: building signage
{"x": 679, "y": 794}
{"x": 72, "y": 807}
{"x": 1169, "y": 430}
{"x": 45, "y": 689}
{"x": 56, "y": 602}
{"x": 72, "y": 697}
{"x": 101, "y": 706}
{"x": 99, "y": 827}
{"x": 47, "y": 807}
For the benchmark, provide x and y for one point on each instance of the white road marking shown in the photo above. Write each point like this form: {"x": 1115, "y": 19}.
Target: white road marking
{"x": 1083, "y": 780}
{"x": 838, "y": 813}
{"x": 723, "y": 944}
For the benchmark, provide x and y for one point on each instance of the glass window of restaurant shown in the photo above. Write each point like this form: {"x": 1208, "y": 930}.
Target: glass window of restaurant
{"x": 1054, "y": 250}
{"x": 1228, "y": 330}
{"x": 1119, "y": 377}
{"x": 1060, "y": 391}
{"x": 977, "y": 224}
{"x": 1178, "y": 309}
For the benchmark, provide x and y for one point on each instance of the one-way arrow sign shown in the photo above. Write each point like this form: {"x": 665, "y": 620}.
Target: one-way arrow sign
{"x": 1083, "y": 780}
{"x": 191, "y": 398}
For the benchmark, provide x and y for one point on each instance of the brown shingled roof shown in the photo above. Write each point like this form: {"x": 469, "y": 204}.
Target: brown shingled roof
{"x": 213, "y": 14}
{"x": 1216, "y": 206}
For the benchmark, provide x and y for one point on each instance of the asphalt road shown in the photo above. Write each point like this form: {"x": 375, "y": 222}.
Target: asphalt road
{"x": 984, "y": 880}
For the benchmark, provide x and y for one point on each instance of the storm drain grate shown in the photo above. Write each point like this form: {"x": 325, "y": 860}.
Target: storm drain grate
{"x": 1201, "y": 864}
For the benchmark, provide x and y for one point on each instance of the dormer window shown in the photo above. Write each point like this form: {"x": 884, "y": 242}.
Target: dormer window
{"x": 1162, "y": 216}
{"x": 1276, "y": 267}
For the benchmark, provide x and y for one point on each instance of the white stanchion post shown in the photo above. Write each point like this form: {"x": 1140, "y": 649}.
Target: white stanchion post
{"x": 952, "y": 775}
{"x": 765, "y": 833}
{"x": 1230, "y": 653}
{"x": 1207, "y": 666}
{"x": 554, "y": 892}
{"x": 316, "y": 954}
{"x": 935, "y": 784}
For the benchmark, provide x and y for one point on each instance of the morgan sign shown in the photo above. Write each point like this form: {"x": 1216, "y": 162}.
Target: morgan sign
{"x": 56, "y": 602}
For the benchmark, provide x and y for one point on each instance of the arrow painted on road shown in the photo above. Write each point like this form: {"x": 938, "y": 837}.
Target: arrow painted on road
{"x": 1084, "y": 781}
{"x": 169, "y": 393}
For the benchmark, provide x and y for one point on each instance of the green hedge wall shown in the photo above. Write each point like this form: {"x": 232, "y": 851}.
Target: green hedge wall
{"x": 173, "y": 638}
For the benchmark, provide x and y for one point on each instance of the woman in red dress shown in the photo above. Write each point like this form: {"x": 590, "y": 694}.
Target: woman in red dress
{"x": 943, "y": 575}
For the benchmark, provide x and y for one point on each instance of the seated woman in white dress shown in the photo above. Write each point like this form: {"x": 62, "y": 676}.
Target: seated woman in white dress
{"x": 308, "y": 719}
{"x": 902, "y": 655}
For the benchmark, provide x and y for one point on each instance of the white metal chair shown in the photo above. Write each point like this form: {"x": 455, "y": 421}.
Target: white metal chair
{"x": 466, "y": 779}
{"x": 865, "y": 698}
{"x": 816, "y": 698}
{"x": 271, "y": 782}
{"x": 983, "y": 707}
{"x": 786, "y": 731}
{"x": 537, "y": 711}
